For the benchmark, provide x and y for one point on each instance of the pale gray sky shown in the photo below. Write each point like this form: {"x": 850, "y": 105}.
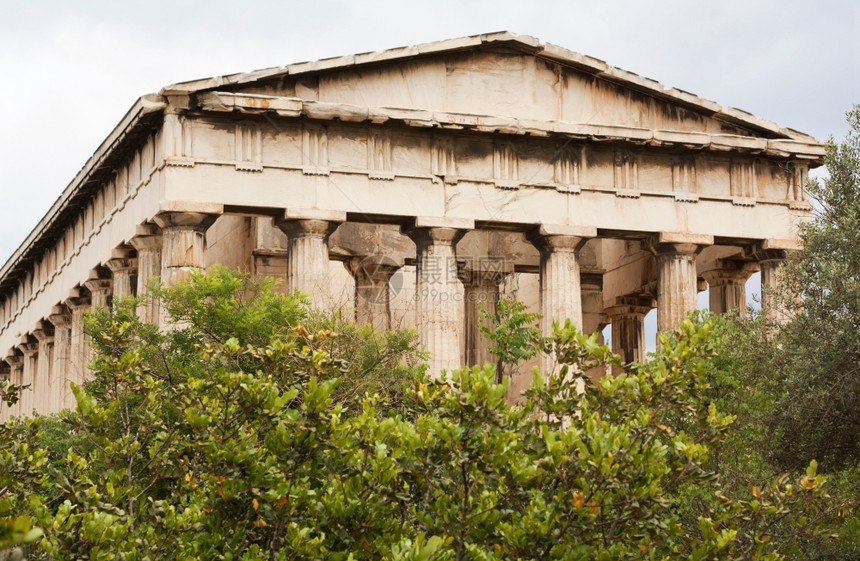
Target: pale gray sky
{"x": 70, "y": 70}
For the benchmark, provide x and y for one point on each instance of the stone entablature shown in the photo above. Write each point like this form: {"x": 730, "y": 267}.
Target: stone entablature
{"x": 610, "y": 190}
{"x": 554, "y": 162}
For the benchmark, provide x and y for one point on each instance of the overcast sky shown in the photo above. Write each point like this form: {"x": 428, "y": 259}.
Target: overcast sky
{"x": 71, "y": 69}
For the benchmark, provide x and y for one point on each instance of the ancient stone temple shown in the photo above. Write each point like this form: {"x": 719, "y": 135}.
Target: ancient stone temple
{"x": 412, "y": 183}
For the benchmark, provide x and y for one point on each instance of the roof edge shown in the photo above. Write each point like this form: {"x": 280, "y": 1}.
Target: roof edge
{"x": 524, "y": 43}
{"x": 225, "y": 102}
{"x": 144, "y": 105}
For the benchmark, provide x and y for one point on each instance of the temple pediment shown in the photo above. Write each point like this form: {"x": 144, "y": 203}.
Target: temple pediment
{"x": 511, "y": 81}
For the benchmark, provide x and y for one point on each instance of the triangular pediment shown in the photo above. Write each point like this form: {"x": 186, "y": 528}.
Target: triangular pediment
{"x": 500, "y": 75}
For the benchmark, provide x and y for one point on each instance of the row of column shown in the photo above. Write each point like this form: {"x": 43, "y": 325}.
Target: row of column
{"x": 441, "y": 296}
{"x": 175, "y": 245}
{"x": 56, "y": 352}
{"x": 51, "y": 356}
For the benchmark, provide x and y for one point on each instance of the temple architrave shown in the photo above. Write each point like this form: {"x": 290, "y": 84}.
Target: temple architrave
{"x": 410, "y": 184}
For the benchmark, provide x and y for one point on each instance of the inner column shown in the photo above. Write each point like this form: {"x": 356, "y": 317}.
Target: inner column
{"x": 373, "y": 295}
{"x": 147, "y": 242}
{"x": 123, "y": 268}
{"x": 677, "y": 280}
{"x": 771, "y": 261}
{"x": 727, "y": 286}
{"x": 78, "y": 363}
{"x": 628, "y": 327}
{"x": 307, "y": 256}
{"x": 439, "y": 292}
{"x": 481, "y": 278}
{"x": 44, "y": 333}
{"x": 560, "y": 291}
{"x": 29, "y": 347}
{"x": 183, "y": 238}
{"x": 100, "y": 286}
{"x": 61, "y": 317}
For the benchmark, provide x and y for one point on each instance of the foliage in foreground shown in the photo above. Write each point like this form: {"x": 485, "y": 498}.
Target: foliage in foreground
{"x": 818, "y": 413}
{"x": 794, "y": 387}
{"x": 251, "y": 432}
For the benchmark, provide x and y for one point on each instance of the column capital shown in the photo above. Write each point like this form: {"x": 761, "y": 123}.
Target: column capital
{"x": 377, "y": 267}
{"x": 60, "y": 316}
{"x": 636, "y": 306}
{"x": 674, "y": 249}
{"x": 626, "y": 310}
{"x": 763, "y": 254}
{"x": 308, "y": 227}
{"x": 196, "y": 221}
{"x": 14, "y": 358}
{"x": 677, "y": 243}
{"x": 79, "y": 297}
{"x": 730, "y": 271}
{"x": 483, "y": 271}
{"x": 425, "y": 236}
{"x": 309, "y": 223}
{"x": 146, "y": 237}
{"x": 28, "y": 345}
{"x": 44, "y": 331}
{"x": 427, "y": 231}
{"x": 98, "y": 281}
{"x": 549, "y": 238}
{"x": 122, "y": 259}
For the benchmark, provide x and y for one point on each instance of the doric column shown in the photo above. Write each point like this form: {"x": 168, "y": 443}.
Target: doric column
{"x": 593, "y": 316}
{"x": 307, "y": 252}
{"x": 147, "y": 242}
{"x": 29, "y": 348}
{"x": 44, "y": 334}
{"x": 594, "y": 319}
{"x": 123, "y": 268}
{"x": 269, "y": 256}
{"x": 183, "y": 238}
{"x": 439, "y": 292}
{"x": 560, "y": 292}
{"x": 78, "y": 364}
{"x": 61, "y": 397}
{"x": 481, "y": 279}
{"x": 771, "y": 261}
{"x": 5, "y": 374}
{"x": 100, "y": 285}
{"x": 372, "y": 291}
{"x": 15, "y": 360}
{"x": 677, "y": 281}
{"x": 727, "y": 285}
{"x": 628, "y": 327}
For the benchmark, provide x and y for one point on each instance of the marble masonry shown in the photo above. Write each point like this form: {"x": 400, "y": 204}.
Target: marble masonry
{"x": 411, "y": 183}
